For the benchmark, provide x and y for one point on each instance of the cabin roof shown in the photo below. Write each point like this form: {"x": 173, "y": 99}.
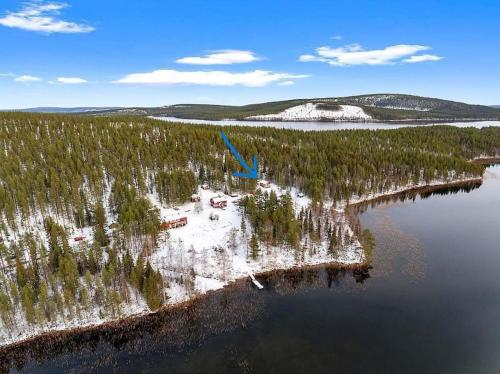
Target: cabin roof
{"x": 217, "y": 199}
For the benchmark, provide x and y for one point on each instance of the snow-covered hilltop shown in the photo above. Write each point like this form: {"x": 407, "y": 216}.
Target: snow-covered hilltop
{"x": 312, "y": 112}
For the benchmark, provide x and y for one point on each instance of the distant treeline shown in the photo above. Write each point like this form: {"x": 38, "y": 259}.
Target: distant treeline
{"x": 64, "y": 162}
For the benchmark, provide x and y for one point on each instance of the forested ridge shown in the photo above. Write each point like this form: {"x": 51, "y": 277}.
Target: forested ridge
{"x": 382, "y": 107}
{"x": 83, "y": 170}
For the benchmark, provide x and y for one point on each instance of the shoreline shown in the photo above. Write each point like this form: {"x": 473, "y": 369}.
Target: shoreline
{"x": 134, "y": 318}
{"x": 414, "y": 121}
{"x": 487, "y": 160}
{"x": 418, "y": 189}
{"x": 115, "y": 326}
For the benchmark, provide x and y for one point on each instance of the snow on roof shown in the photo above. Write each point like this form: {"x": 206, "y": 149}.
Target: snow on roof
{"x": 173, "y": 216}
{"x": 217, "y": 199}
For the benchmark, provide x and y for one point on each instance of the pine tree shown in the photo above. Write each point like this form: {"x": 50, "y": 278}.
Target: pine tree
{"x": 152, "y": 288}
{"x": 20, "y": 272}
{"x": 100, "y": 223}
{"x": 43, "y": 298}
{"x": 332, "y": 246}
{"x": 243, "y": 226}
{"x": 28, "y": 301}
{"x": 254, "y": 246}
{"x": 5, "y": 309}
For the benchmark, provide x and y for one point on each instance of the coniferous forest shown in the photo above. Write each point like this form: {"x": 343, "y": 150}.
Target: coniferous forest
{"x": 83, "y": 171}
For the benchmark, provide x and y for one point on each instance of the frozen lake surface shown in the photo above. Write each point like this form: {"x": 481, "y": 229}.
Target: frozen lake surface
{"x": 327, "y": 126}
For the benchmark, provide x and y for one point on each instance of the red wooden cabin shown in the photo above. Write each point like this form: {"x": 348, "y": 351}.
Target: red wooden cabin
{"x": 217, "y": 202}
{"x": 79, "y": 238}
{"x": 172, "y": 223}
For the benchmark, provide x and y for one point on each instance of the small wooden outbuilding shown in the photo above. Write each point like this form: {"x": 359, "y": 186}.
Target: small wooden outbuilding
{"x": 218, "y": 202}
{"x": 172, "y": 223}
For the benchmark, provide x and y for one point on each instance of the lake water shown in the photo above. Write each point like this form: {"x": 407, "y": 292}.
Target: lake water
{"x": 431, "y": 304}
{"x": 326, "y": 126}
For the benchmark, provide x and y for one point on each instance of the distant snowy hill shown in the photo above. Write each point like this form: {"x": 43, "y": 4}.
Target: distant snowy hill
{"x": 384, "y": 107}
{"x": 376, "y": 107}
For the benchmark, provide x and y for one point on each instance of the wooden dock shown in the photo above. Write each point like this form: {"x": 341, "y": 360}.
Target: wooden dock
{"x": 256, "y": 282}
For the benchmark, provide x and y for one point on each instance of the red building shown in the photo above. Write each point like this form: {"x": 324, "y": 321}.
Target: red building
{"x": 217, "y": 202}
{"x": 172, "y": 223}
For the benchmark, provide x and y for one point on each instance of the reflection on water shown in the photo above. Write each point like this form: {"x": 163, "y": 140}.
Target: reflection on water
{"x": 401, "y": 252}
{"x": 429, "y": 304}
{"x": 172, "y": 331}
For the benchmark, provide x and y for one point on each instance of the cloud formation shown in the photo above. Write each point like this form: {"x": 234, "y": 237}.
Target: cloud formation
{"x": 42, "y": 17}
{"x": 71, "y": 80}
{"x": 28, "y": 78}
{"x": 286, "y": 83}
{"x": 355, "y": 54}
{"x": 224, "y": 57}
{"x": 256, "y": 78}
{"x": 422, "y": 58}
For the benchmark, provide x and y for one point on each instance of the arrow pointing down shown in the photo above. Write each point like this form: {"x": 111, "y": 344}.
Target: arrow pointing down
{"x": 251, "y": 171}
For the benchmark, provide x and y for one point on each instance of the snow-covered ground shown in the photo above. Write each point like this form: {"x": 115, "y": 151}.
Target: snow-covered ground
{"x": 310, "y": 112}
{"x": 214, "y": 252}
{"x": 208, "y": 254}
{"x": 204, "y": 255}
{"x": 392, "y": 190}
{"x": 85, "y": 318}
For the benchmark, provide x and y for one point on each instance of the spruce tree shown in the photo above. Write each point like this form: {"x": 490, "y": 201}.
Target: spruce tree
{"x": 254, "y": 246}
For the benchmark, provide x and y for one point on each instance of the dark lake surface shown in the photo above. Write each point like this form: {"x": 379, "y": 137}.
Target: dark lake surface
{"x": 430, "y": 305}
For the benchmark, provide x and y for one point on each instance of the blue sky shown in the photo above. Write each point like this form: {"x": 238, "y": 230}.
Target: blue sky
{"x": 150, "y": 53}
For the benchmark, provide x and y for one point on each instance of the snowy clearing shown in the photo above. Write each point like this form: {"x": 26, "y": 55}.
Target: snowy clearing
{"x": 214, "y": 252}
{"x": 310, "y": 112}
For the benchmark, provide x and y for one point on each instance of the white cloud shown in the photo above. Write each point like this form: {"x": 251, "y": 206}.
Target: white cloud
{"x": 71, "y": 80}
{"x": 42, "y": 17}
{"x": 27, "y": 78}
{"x": 337, "y": 37}
{"x": 355, "y": 54}
{"x": 422, "y": 58}
{"x": 256, "y": 78}
{"x": 225, "y": 57}
{"x": 286, "y": 83}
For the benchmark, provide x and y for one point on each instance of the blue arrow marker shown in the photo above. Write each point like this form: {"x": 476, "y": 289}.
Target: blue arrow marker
{"x": 251, "y": 172}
